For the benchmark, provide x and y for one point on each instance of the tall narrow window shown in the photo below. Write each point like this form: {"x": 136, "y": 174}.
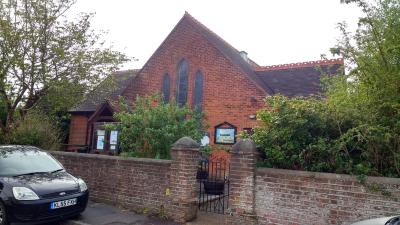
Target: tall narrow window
{"x": 198, "y": 92}
{"x": 166, "y": 87}
{"x": 182, "y": 83}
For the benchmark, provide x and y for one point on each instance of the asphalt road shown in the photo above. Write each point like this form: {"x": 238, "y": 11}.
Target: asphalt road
{"x": 102, "y": 214}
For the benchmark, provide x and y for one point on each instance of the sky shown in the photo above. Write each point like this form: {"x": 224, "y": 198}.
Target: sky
{"x": 270, "y": 31}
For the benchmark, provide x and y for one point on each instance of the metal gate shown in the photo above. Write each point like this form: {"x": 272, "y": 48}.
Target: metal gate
{"x": 213, "y": 179}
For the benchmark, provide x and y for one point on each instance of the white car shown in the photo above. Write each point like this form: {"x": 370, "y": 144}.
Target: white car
{"x": 393, "y": 220}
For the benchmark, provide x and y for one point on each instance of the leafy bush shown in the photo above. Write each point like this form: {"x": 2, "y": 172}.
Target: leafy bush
{"x": 356, "y": 128}
{"x": 306, "y": 134}
{"x": 36, "y": 130}
{"x": 206, "y": 150}
{"x": 296, "y": 134}
{"x": 153, "y": 126}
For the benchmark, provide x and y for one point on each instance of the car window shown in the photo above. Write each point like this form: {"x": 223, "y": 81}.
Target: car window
{"x": 18, "y": 162}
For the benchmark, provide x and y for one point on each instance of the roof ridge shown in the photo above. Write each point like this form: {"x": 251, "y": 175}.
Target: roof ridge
{"x": 252, "y": 62}
{"x": 301, "y": 64}
{"x": 236, "y": 59}
{"x": 209, "y": 30}
{"x": 119, "y": 82}
{"x": 156, "y": 51}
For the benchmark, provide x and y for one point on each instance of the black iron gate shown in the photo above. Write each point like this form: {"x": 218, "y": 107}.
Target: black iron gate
{"x": 213, "y": 179}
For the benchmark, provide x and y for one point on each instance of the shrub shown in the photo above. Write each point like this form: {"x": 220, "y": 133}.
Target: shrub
{"x": 306, "y": 134}
{"x": 153, "y": 126}
{"x": 296, "y": 134}
{"x": 37, "y": 130}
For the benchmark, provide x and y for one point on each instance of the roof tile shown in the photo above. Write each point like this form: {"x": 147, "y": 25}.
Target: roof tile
{"x": 108, "y": 90}
{"x": 302, "y": 79}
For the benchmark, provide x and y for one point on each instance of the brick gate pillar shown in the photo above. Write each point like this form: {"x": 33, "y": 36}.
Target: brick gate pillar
{"x": 185, "y": 157}
{"x": 242, "y": 182}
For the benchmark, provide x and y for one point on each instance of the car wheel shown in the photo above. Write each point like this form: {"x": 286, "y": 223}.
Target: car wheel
{"x": 3, "y": 216}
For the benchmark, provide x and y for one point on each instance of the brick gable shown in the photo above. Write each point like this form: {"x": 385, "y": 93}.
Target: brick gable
{"x": 229, "y": 94}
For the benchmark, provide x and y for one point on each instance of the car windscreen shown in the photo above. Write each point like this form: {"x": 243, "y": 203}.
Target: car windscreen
{"x": 18, "y": 162}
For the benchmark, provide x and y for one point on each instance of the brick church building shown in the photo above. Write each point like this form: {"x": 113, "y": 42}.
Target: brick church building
{"x": 195, "y": 66}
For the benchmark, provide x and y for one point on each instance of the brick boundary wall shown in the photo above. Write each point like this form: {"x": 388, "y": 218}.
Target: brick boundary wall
{"x": 257, "y": 195}
{"x": 290, "y": 197}
{"x": 308, "y": 198}
{"x": 158, "y": 187}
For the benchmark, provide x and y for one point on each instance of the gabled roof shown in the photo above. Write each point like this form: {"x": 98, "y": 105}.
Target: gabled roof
{"x": 295, "y": 79}
{"x": 228, "y": 51}
{"x": 106, "y": 106}
{"x": 299, "y": 79}
{"x": 108, "y": 90}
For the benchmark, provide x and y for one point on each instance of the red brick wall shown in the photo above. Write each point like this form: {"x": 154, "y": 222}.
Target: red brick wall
{"x": 298, "y": 197}
{"x": 139, "y": 184}
{"x": 227, "y": 90}
{"x": 78, "y": 129}
{"x": 158, "y": 187}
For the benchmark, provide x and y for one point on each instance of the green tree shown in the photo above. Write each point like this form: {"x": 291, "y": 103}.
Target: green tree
{"x": 59, "y": 100}
{"x": 37, "y": 130}
{"x": 373, "y": 95}
{"x": 356, "y": 128}
{"x": 43, "y": 54}
{"x": 153, "y": 126}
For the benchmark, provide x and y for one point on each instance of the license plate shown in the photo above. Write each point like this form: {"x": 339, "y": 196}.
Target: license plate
{"x": 62, "y": 204}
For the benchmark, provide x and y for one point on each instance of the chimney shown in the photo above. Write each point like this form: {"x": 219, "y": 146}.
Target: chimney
{"x": 243, "y": 54}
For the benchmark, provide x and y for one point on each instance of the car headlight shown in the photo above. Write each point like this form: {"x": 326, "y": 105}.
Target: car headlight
{"x": 24, "y": 194}
{"x": 82, "y": 185}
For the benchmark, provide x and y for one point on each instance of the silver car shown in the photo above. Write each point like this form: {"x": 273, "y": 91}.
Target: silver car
{"x": 393, "y": 220}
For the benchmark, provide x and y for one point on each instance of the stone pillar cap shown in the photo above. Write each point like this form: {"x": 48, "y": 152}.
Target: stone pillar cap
{"x": 244, "y": 146}
{"x": 185, "y": 143}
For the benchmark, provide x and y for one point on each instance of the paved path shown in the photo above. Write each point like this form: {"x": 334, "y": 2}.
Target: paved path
{"x": 209, "y": 219}
{"x": 101, "y": 214}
